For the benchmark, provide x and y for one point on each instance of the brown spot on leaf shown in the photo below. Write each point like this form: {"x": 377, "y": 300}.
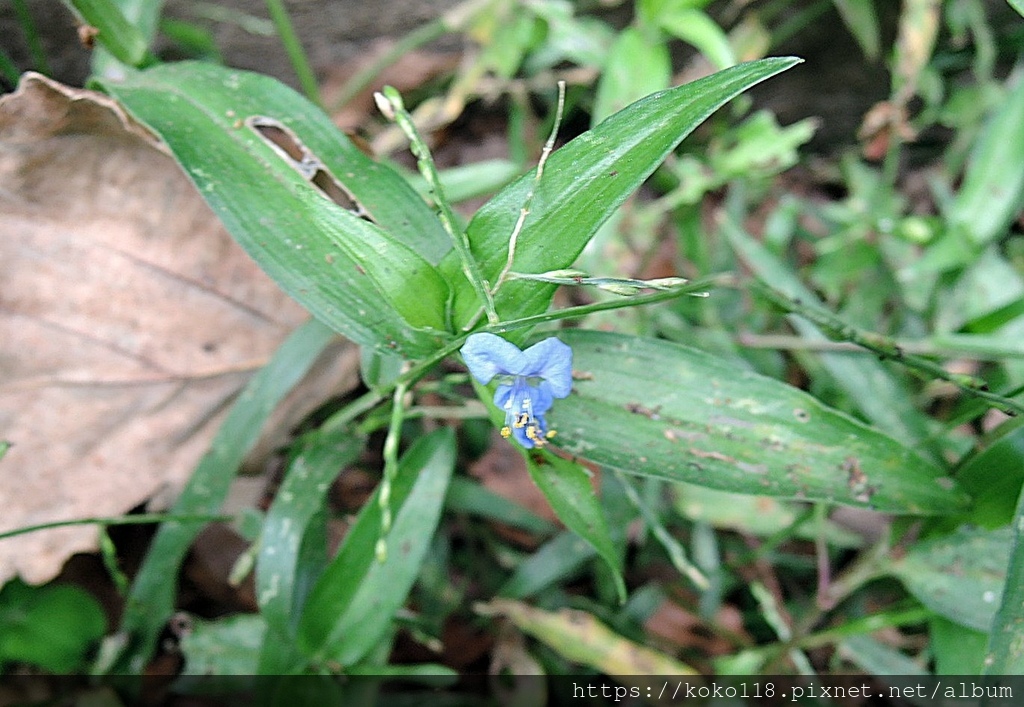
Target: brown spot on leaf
{"x": 650, "y": 413}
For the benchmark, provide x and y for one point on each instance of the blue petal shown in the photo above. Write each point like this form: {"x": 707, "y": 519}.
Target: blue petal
{"x": 540, "y": 397}
{"x": 501, "y": 396}
{"x": 551, "y": 360}
{"x": 488, "y": 355}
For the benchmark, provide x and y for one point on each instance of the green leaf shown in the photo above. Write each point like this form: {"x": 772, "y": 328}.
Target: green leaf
{"x": 272, "y": 165}
{"x": 1017, "y": 5}
{"x": 558, "y": 559}
{"x": 862, "y": 21}
{"x": 353, "y": 604}
{"x": 994, "y": 475}
{"x": 52, "y": 627}
{"x": 584, "y": 183}
{"x": 959, "y": 576}
{"x": 466, "y": 496}
{"x": 567, "y": 487}
{"x": 119, "y": 36}
{"x": 696, "y": 28}
{"x": 635, "y": 67}
{"x": 661, "y": 409}
{"x": 151, "y": 600}
{"x": 958, "y": 650}
{"x": 1005, "y": 652}
{"x": 878, "y": 394}
{"x": 280, "y": 579}
{"x": 227, "y": 646}
{"x": 993, "y": 185}
{"x": 877, "y": 658}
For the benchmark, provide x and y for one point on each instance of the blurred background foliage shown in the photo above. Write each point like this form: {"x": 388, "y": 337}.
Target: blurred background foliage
{"x": 881, "y": 182}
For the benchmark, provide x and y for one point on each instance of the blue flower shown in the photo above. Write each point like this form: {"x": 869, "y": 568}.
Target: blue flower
{"x": 530, "y": 381}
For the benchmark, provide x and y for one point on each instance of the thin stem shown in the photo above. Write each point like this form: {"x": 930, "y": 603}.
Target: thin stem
{"x": 390, "y": 467}
{"x": 293, "y": 47}
{"x": 140, "y": 519}
{"x": 372, "y": 398}
{"x": 675, "y": 551}
{"x": 524, "y": 211}
{"x": 697, "y": 288}
{"x": 866, "y": 624}
{"x": 424, "y": 34}
{"x": 866, "y": 567}
{"x": 389, "y": 101}
{"x": 885, "y": 347}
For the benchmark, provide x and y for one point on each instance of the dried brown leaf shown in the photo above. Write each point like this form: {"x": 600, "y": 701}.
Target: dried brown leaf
{"x": 129, "y": 320}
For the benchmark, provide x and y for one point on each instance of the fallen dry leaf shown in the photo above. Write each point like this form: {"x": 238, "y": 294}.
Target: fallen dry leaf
{"x": 129, "y": 320}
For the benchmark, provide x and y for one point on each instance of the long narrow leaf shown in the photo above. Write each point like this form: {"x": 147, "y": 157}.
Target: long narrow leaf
{"x": 567, "y": 487}
{"x": 352, "y": 606}
{"x": 660, "y": 409}
{"x": 151, "y": 600}
{"x": 299, "y": 499}
{"x": 1005, "y": 654}
{"x": 585, "y": 182}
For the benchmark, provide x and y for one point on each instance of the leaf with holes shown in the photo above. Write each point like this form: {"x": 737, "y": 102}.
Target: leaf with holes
{"x": 277, "y": 172}
{"x": 661, "y": 409}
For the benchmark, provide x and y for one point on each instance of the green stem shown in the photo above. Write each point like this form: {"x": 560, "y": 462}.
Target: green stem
{"x": 293, "y": 47}
{"x": 390, "y": 103}
{"x": 675, "y": 551}
{"x": 390, "y": 467}
{"x": 885, "y": 347}
{"x": 140, "y": 519}
{"x": 955, "y": 345}
{"x": 372, "y": 398}
{"x": 697, "y": 287}
{"x": 423, "y": 34}
{"x": 856, "y": 627}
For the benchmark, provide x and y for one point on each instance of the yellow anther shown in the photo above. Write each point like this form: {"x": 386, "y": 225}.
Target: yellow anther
{"x": 506, "y": 431}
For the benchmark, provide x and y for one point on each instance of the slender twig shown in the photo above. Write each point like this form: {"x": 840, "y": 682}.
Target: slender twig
{"x": 885, "y": 347}
{"x": 675, "y": 551}
{"x": 696, "y": 288}
{"x": 424, "y": 34}
{"x": 524, "y": 210}
{"x": 855, "y": 627}
{"x": 373, "y": 398}
{"x": 986, "y": 348}
{"x": 140, "y": 519}
{"x": 390, "y": 467}
{"x": 293, "y": 47}
{"x": 389, "y": 101}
